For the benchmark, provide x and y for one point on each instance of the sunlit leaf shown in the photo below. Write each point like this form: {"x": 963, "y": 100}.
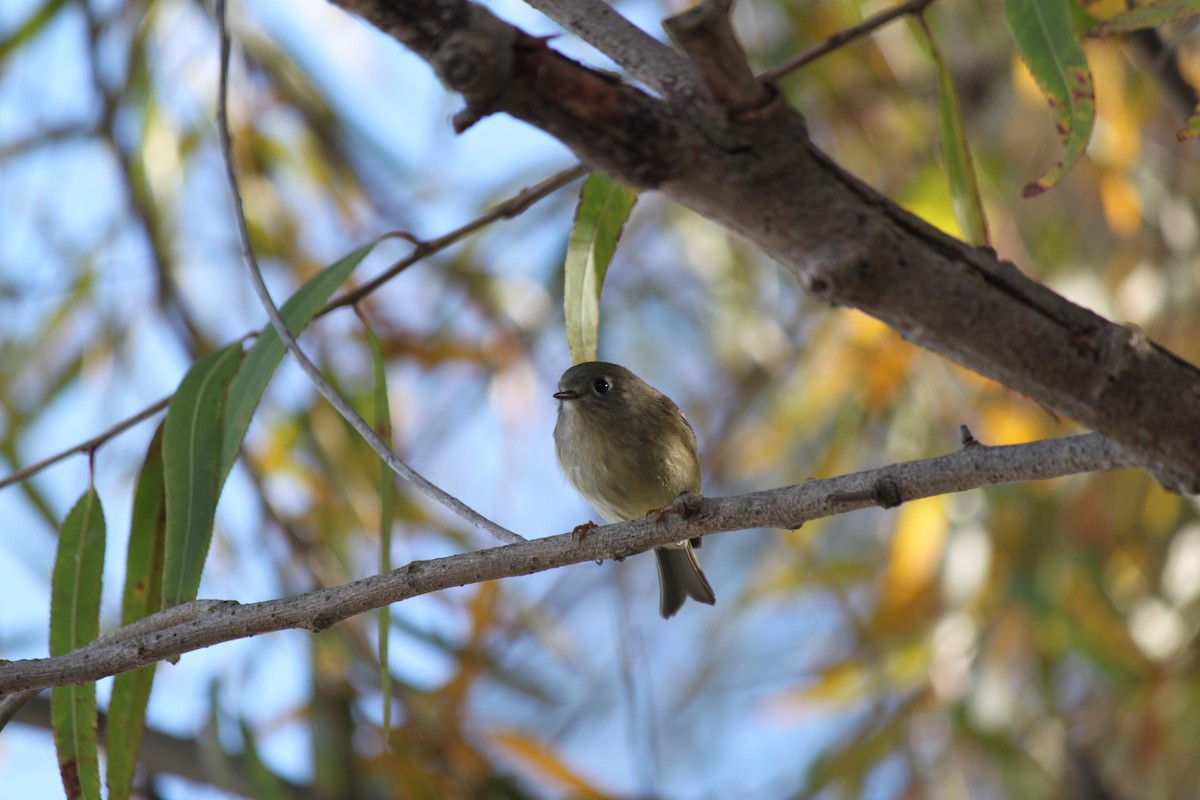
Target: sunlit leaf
{"x": 142, "y": 597}
{"x": 191, "y": 449}
{"x": 917, "y": 543}
{"x": 1046, "y": 40}
{"x": 604, "y": 205}
{"x": 842, "y": 684}
{"x": 960, "y": 167}
{"x": 75, "y": 621}
{"x": 545, "y": 762}
{"x": 263, "y": 358}
{"x": 1149, "y": 15}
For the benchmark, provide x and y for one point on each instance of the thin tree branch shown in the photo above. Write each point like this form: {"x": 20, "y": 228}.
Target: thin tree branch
{"x": 85, "y": 447}
{"x": 645, "y": 58}
{"x": 508, "y": 209}
{"x": 843, "y": 37}
{"x": 212, "y": 622}
{"x": 47, "y": 136}
{"x": 360, "y": 425}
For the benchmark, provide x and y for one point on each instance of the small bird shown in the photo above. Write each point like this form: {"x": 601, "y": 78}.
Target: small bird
{"x": 628, "y": 449}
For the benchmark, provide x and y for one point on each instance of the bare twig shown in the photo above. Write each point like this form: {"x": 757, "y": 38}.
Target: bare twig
{"x": 509, "y": 208}
{"x": 10, "y": 704}
{"x": 360, "y": 425}
{"x": 645, "y": 58}
{"x": 46, "y": 136}
{"x": 786, "y": 507}
{"x": 843, "y": 36}
{"x": 706, "y": 35}
{"x": 85, "y": 447}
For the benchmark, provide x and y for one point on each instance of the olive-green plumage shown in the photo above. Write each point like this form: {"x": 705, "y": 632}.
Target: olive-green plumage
{"x": 628, "y": 449}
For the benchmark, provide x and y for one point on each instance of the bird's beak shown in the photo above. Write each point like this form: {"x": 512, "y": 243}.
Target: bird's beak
{"x": 566, "y": 394}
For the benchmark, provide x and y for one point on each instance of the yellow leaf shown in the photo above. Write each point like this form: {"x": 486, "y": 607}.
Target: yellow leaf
{"x": 917, "y": 544}
{"x": 545, "y": 762}
{"x": 1122, "y": 204}
{"x": 838, "y": 685}
{"x": 1011, "y": 423}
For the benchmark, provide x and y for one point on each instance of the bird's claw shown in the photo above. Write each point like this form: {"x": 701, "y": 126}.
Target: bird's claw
{"x": 684, "y": 506}
{"x": 581, "y": 531}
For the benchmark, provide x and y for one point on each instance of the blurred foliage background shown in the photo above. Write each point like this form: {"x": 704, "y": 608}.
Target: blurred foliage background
{"x": 1030, "y": 641}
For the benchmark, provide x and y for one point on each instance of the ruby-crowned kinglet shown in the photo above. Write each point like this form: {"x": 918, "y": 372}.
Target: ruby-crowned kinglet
{"x": 628, "y": 449}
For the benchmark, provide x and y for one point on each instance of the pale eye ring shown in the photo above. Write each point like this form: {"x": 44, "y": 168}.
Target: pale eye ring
{"x": 601, "y": 385}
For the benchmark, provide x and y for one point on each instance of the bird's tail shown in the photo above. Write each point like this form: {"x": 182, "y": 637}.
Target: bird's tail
{"x": 680, "y": 577}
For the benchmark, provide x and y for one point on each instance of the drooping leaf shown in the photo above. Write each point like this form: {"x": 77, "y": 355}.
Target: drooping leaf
{"x": 387, "y": 513}
{"x": 1150, "y": 15}
{"x": 604, "y": 206}
{"x": 142, "y": 597}
{"x": 191, "y": 452}
{"x": 1046, "y": 41}
{"x": 75, "y": 621}
{"x": 263, "y": 358}
{"x": 960, "y": 167}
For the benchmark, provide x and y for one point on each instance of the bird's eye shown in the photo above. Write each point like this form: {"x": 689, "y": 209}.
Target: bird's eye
{"x": 601, "y": 385}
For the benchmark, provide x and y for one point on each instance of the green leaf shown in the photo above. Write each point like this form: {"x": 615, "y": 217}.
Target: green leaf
{"x": 75, "y": 621}
{"x": 142, "y": 597}
{"x": 1192, "y": 128}
{"x": 263, "y": 358}
{"x": 1150, "y": 15}
{"x": 267, "y": 785}
{"x": 604, "y": 205}
{"x": 1045, "y": 38}
{"x": 191, "y": 452}
{"x": 387, "y": 514}
{"x": 960, "y": 167}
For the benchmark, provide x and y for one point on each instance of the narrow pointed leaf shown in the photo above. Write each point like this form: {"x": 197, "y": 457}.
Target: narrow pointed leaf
{"x": 142, "y": 597}
{"x": 604, "y": 206}
{"x": 1045, "y": 38}
{"x": 387, "y": 513}
{"x": 191, "y": 451}
{"x": 75, "y": 621}
{"x": 960, "y": 167}
{"x": 1150, "y": 15}
{"x": 263, "y": 358}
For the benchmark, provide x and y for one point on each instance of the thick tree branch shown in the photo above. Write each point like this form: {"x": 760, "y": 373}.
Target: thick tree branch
{"x": 760, "y": 176}
{"x": 208, "y": 622}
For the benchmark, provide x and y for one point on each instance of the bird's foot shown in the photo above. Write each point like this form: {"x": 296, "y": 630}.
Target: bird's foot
{"x": 685, "y": 506}
{"x": 581, "y": 531}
